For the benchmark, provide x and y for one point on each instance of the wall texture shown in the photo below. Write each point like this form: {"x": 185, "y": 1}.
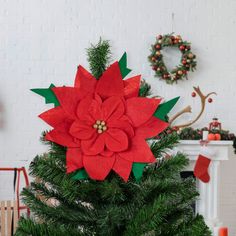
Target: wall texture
{"x": 43, "y": 41}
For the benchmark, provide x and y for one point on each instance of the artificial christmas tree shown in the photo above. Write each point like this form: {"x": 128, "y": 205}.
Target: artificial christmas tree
{"x": 134, "y": 197}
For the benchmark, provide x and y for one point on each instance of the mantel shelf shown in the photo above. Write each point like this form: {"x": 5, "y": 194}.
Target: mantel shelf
{"x": 211, "y": 143}
{"x": 221, "y": 149}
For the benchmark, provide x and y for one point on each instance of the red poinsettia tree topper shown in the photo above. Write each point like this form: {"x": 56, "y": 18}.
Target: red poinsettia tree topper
{"x": 103, "y": 123}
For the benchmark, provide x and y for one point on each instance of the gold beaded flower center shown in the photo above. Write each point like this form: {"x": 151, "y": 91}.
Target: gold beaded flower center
{"x": 100, "y": 125}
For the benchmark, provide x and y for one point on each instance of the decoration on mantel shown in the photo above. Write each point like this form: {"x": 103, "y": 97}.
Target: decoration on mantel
{"x": 188, "y": 109}
{"x": 214, "y": 125}
{"x": 190, "y": 133}
{"x": 187, "y": 62}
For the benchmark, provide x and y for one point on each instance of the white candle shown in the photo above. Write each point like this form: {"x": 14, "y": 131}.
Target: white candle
{"x": 205, "y": 135}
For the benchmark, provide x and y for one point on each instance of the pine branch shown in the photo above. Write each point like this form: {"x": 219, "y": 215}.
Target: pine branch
{"x": 98, "y": 57}
{"x": 166, "y": 143}
{"x": 29, "y": 227}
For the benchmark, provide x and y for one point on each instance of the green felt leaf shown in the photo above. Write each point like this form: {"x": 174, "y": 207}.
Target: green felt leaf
{"x": 80, "y": 174}
{"x": 123, "y": 65}
{"x": 48, "y": 94}
{"x": 137, "y": 170}
{"x": 165, "y": 108}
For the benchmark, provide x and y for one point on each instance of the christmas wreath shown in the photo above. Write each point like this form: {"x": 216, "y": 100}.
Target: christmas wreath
{"x": 187, "y": 62}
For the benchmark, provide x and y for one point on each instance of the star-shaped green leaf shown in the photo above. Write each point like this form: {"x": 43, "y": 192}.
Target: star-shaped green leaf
{"x": 123, "y": 65}
{"x": 80, "y": 174}
{"x": 137, "y": 170}
{"x": 48, "y": 94}
{"x": 165, "y": 108}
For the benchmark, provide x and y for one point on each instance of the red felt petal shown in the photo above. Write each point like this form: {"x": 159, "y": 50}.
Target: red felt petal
{"x": 113, "y": 108}
{"x": 84, "y": 80}
{"x": 151, "y": 128}
{"x": 140, "y": 110}
{"x": 116, "y": 140}
{"x": 122, "y": 167}
{"x": 61, "y": 136}
{"x": 54, "y": 116}
{"x": 139, "y": 151}
{"x": 94, "y": 145}
{"x": 74, "y": 159}
{"x": 131, "y": 86}
{"x": 110, "y": 83}
{"x": 95, "y": 110}
{"x": 123, "y": 125}
{"x": 98, "y": 167}
{"x": 83, "y": 107}
{"x": 106, "y": 152}
{"x": 82, "y": 130}
{"x": 68, "y": 98}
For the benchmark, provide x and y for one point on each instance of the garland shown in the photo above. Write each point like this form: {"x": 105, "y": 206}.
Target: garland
{"x": 187, "y": 62}
{"x": 196, "y": 134}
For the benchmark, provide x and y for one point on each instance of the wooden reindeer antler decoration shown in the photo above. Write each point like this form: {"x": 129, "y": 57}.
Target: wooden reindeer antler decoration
{"x": 188, "y": 109}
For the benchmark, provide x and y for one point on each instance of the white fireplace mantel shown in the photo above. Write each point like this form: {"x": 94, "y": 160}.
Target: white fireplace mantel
{"x": 208, "y": 201}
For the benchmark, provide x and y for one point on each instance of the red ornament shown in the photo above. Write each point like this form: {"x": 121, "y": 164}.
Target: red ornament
{"x": 211, "y": 137}
{"x": 193, "y": 94}
{"x": 184, "y": 62}
{"x": 217, "y": 137}
{"x": 103, "y": 123}
{"x": 154, "y": 67}
{"x": 158, "y": 46}
{"x": 182, "y": 47}
{"x": 210, "y": 100}
{"x": 159, "y": 37}
{"x": 166, "y": 76}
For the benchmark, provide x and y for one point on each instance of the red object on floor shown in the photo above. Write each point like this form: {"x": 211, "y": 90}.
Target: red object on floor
{"x": 18, "y": 172}
{"x": 201, "y": 168}
{"x": 223, "y": 231}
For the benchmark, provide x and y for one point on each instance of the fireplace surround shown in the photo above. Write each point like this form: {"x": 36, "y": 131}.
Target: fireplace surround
{"x": 208, "y": 202}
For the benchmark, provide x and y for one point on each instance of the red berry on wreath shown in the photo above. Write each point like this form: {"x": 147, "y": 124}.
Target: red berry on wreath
{"x": 210, "y": 100}
{"x": 158, "y": 46}
{"x": 154, "y": 67}
{"x": 182, "y": 47}
{"x": 184, "y": 72}
{"x": 188, "y": 47}
{"x": 176, "y": 41}
{"x": 184, "y": 62}
{"x": 166, "y": 76}
{"x": 193, "y": 94}
{"x": 159, "y": 37}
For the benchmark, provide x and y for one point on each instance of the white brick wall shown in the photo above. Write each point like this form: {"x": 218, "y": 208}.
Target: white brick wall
{"x": 43, "y": 42}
